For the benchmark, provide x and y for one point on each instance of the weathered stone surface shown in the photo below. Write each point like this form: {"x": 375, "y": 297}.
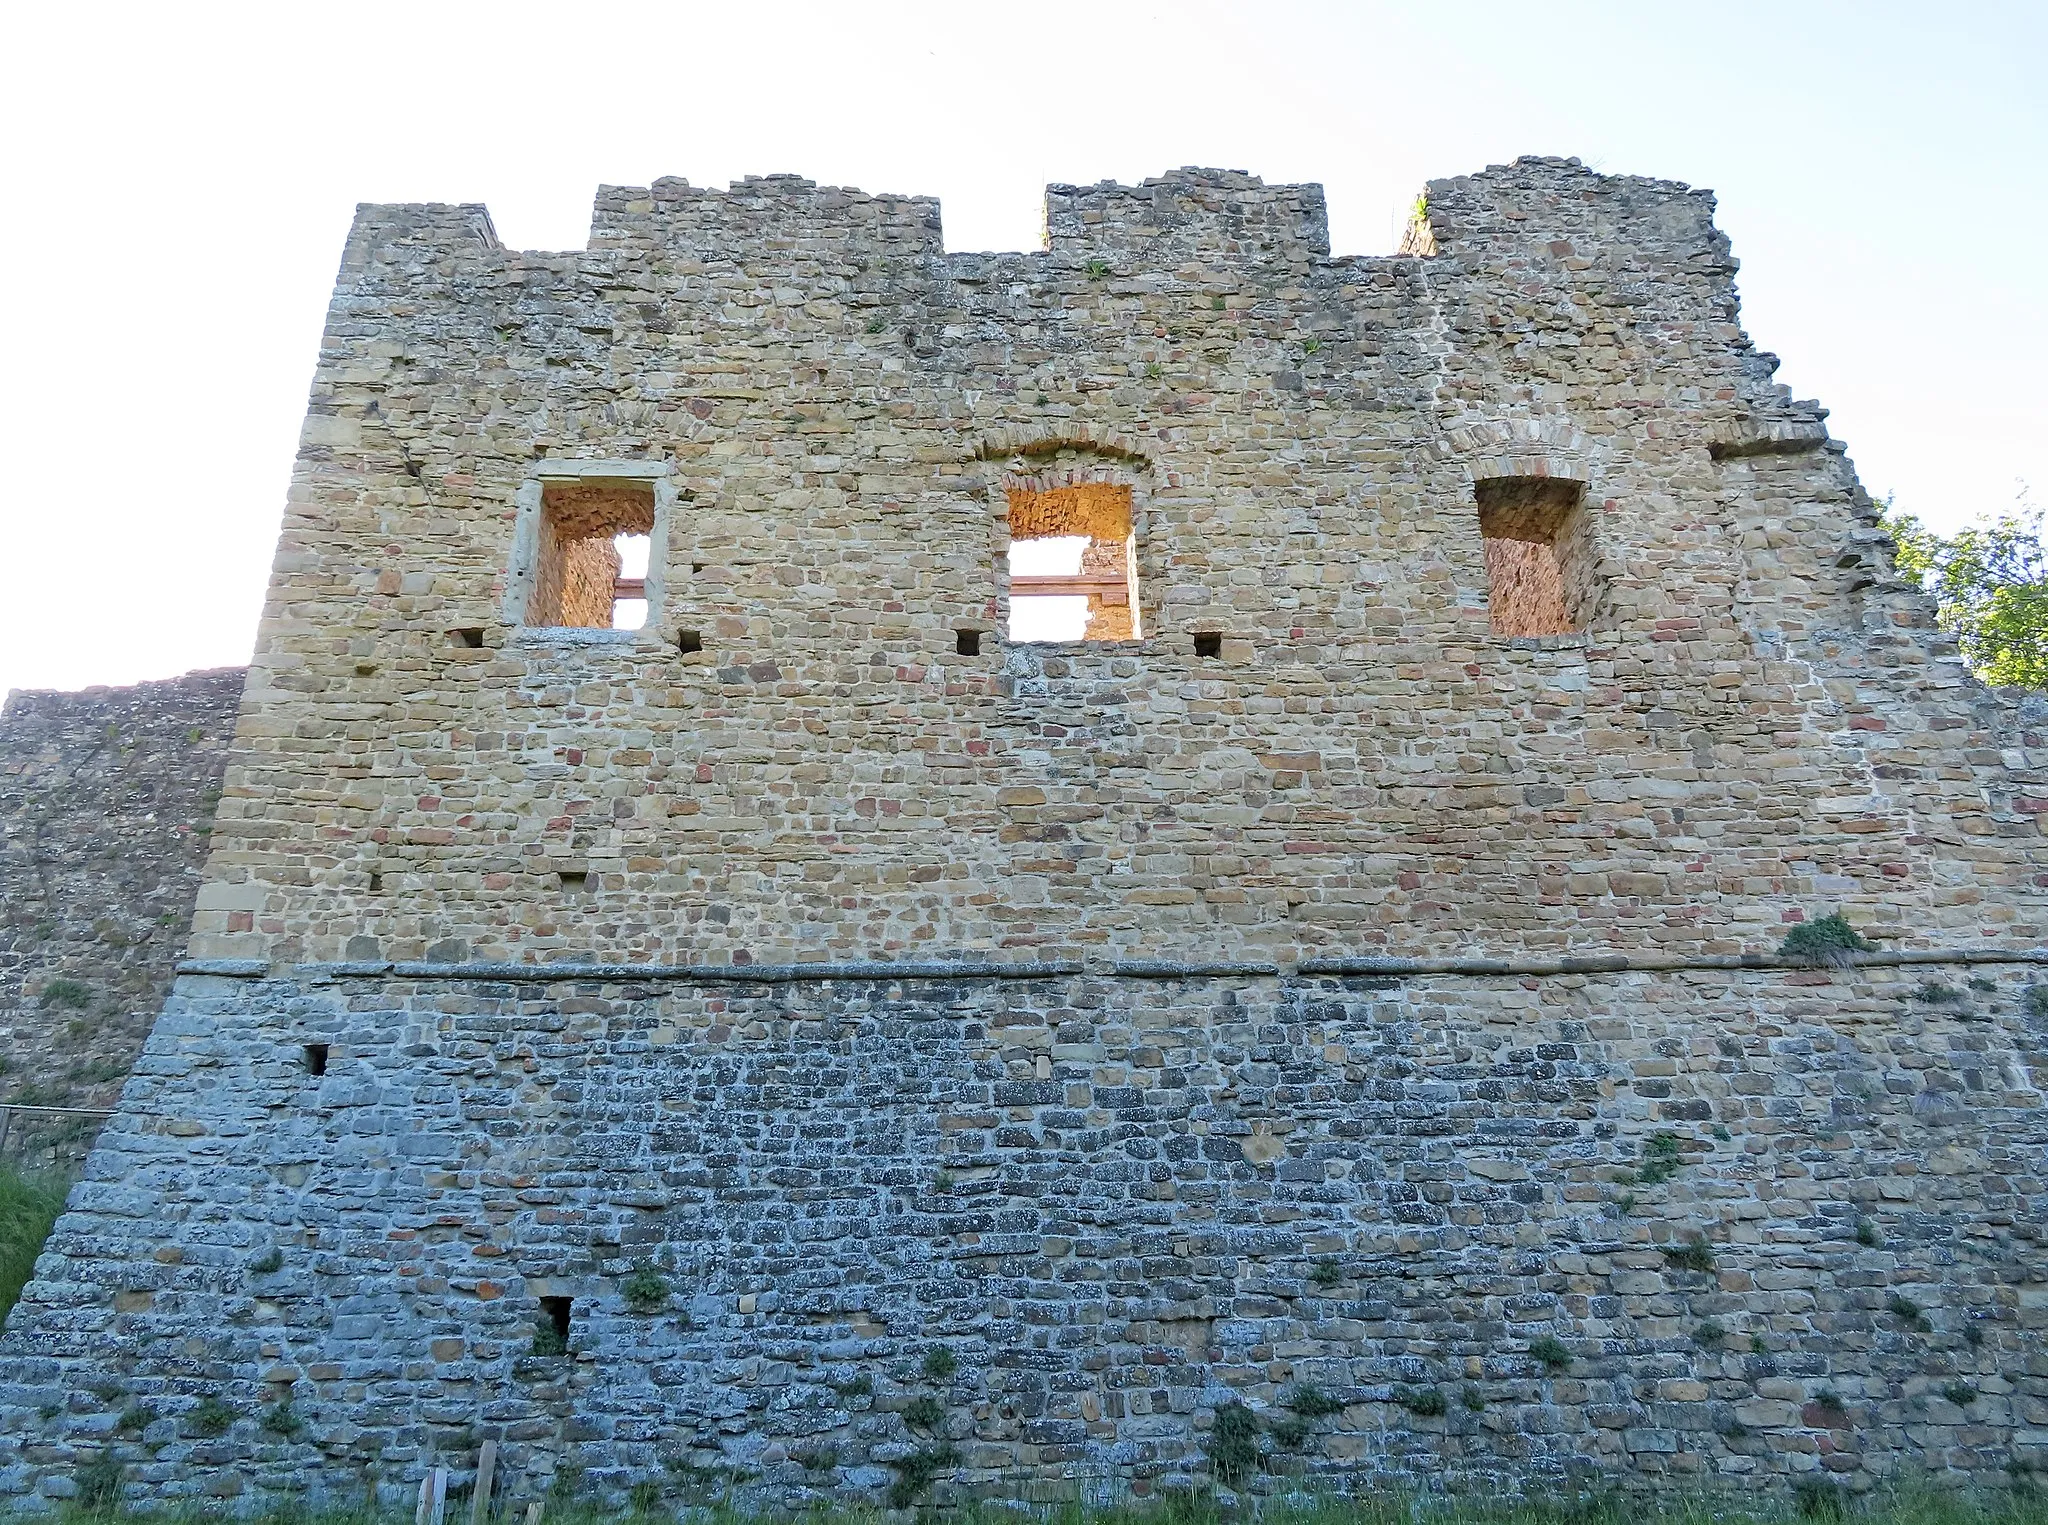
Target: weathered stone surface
{"x": 1357, "y": 997}
{"x": 106, "y": 802}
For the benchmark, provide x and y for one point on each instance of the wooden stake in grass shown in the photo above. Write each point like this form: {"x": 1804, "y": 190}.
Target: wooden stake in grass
{"x": 486, "y": 1472}
{"x": 433, "y": 1498}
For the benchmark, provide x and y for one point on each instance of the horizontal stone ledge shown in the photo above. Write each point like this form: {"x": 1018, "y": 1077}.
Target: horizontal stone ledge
{"x": 1640, "y": 963}
{"x": 1130, "y": 969}
{"x": 768, "y": 974}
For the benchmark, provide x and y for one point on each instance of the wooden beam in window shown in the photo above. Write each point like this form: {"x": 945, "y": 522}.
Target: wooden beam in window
{"x": 1111, "y": 590}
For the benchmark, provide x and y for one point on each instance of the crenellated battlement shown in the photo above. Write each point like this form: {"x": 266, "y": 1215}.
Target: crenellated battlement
{"x": 1223, "y": 215}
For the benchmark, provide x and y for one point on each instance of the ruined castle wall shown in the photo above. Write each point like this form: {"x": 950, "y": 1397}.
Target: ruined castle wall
{"x": 1147, "y": 979}
{"x": 106, "y": 807}
{"x": 840, "y": 405}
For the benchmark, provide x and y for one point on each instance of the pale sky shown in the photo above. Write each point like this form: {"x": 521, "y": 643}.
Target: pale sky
{"x": 179, "y": 179}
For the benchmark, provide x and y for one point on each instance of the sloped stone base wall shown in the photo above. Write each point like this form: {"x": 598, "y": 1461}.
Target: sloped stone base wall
{"x": 1115, "y": 1203}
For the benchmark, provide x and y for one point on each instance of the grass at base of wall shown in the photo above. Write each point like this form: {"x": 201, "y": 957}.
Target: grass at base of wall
{"x": 29, "y": 1204}
{"x": 1819, "y": 1501}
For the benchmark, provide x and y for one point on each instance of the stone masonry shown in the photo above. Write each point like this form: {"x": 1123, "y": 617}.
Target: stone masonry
{"x": 106, "y": 805}
{"x": 815, "y": 1044}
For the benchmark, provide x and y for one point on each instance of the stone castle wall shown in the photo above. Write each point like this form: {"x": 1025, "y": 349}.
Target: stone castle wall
{"x": 106, "y": 807}
{"x": 1071, "y": 1007}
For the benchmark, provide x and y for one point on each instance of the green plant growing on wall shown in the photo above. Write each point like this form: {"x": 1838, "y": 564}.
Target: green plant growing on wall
{"x": 75, "y": 995}
{"x": 1908, "y": 1312}
{"x": 1311, "y": 1402}
{"x": 1694, "y": 1255}
{"x": 924, "y": 1412}
{"x": 1827, "y": 942}
{"x": 939, "y": 1364}
{"x": 1867, "y": 1235}
{"x": 915, "y": 1472}
{"x": 270, "y": 1260}
{"x": 136, "y": 1418}
{"x": 1549, "y": 1352}
{"x": 548, "y": 1340}
{"x": 1425, "y": 1401}
{"x": 282, "y": 1419}
{"x": 1472, "y": 1398}
{"x": 1234, "y": 1444}
{"x": 1709, "y": 1334}
{"x": 1934, "y": 993}
{"x": 2035, "y": 1002}
{"x": 1961, "y": 1394}
{"x": 1097, "y": 269}
{"x": 1326, "y": 1272}
{"x": 1660, "y": 1159}
{"x": 645, "y": 1291}
{"x": 212, "y": 1416}
{"x": 859, "y": 1385}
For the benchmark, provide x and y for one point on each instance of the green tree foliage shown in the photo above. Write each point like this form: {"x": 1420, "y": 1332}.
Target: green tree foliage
{"x": 1990, "y": 587}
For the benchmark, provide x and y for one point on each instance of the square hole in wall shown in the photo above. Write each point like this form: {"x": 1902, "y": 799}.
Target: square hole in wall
{"x": 1208, "y": 643}
{"x": 575, "y": 882}
{"x": 1073, "y": 564}
{"x": 1539, "y": 557}
{"x": 689, "y": 641}
{"x": 967, "y": 643}
{"x": 552, "y": 1335}
{"x": 469, "y": 637}
{"x": 316, "y": 1059}
{"x": 590, "y": 564}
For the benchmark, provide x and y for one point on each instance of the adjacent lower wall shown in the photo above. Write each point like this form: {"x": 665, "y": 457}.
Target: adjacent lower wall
{"x": 107, "y": 797}
{"x": 1777, "y": 1222}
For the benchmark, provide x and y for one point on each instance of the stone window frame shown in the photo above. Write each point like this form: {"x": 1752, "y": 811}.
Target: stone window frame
{"x": 524, "y": 564}
{"x": 1071, "y": 464}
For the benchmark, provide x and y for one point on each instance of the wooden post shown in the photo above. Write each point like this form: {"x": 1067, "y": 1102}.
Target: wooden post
{"x": 486, "y": 1471}
{"x": 433, "y": 1498}
{"x": 533, "y": 1511}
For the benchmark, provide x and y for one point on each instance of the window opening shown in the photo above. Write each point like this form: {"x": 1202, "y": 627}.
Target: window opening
{"x": 316, "y": 1059}
{"x": 688, "y": 641}
{"x": 575, "y": 881}
{"x": 552, "y": 1336}
{"x": 1539, "y": 563}
{"x": 591, "y": 570}
{"x": 376, "y": 883}
{"x": 629, "y": 593}
{"x": 1073, "y": 564}
{"x": 1208, "y": 643}
{"x": 471, "y": 637}
{"x": 967, "y": 642}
